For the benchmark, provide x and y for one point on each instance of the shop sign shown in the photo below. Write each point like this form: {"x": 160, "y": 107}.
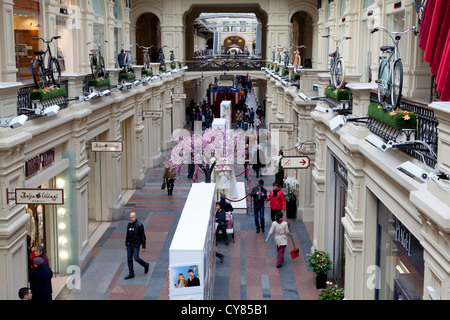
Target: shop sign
{"x": 152, "y": 114}
{"x": 225, "y": 83}
{"x": 402, "y": 235}
{"x": 39, "y": 196}
{"x": 107, "y": 146}
{"x": 282, "y": 127}
{"x": 179, "y": 96}
{"x": 35, "y": 164}
{"x": 27, "y": 5}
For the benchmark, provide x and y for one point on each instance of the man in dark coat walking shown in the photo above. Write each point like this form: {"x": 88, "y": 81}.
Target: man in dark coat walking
{"x": 134, "y": 239}
{"x": 41, "y": 280}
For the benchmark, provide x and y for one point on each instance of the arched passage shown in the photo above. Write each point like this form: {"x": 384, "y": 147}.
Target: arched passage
{"x": 302, "y": 34}
{"x": 195, "y": 11}
{"x": 148, "y": 33}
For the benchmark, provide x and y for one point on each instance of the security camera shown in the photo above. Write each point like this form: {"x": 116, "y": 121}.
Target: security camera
{"x": 377, "y": 142}
{"x": 17, "y": 121}
{"x": 91, "y": 96}
{"x": 154, "y": 78}
{"x": 51, "y": 111}
{"x": 106, "y": 92}
{"x": 336, "y": 123}
{"x": 145, "y": 79}
{"x": 414, "y": 171}
{"x": 322, "y": 109}
{"x": 136, "y": 83}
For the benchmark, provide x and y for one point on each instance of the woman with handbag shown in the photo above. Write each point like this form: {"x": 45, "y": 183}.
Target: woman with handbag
{"x": 281, "y": 230}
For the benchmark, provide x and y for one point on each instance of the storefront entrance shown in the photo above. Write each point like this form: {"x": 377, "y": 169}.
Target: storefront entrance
{"x": 399, "y": 258}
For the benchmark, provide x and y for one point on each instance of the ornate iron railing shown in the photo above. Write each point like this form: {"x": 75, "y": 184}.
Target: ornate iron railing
{"x": 25, "y": 106}
{"x": 225, "y": 64}
{"x": 427, "y": 131}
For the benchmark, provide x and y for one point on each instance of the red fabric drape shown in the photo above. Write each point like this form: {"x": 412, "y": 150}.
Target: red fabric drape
{"x": 435, "y": 41}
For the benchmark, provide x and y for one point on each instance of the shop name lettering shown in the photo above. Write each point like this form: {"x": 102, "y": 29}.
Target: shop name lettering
{"x": 106, "y": 146}
{"x": 403, "y": 236}
{"x": 34, "y": 197}
{"x": 41, "y": 161}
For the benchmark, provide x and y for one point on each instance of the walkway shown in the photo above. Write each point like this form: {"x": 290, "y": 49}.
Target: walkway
{"x": 248, "y": 271}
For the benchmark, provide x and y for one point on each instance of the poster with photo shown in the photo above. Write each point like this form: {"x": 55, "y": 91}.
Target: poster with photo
{"x": 186, "y": 278}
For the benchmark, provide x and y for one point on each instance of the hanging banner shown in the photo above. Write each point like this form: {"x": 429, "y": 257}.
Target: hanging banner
{"x": 39, "y": 196}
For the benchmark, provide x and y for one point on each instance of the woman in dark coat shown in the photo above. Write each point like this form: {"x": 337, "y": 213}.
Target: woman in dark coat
{"x": 41, "y": 280}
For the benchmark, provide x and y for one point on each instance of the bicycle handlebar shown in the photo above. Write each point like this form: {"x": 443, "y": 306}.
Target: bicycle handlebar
{"x": 336, "y": 40}
{"x": 98, "y": 44}
{"x": 47, "y": 41}
{"x": 395, "y": 33}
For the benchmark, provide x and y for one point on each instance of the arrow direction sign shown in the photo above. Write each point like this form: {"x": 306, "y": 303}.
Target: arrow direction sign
{"x": 299, "y": 162}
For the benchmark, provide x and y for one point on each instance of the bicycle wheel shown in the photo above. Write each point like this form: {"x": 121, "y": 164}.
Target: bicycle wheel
{"x": 94, "y": 66}
{"x": 101, "y": 67}
{"x": 38, "y": 73}
{"x": 54, "y": 72}
{"x": 397, "y": 84}
{"x": 338, "y": 74}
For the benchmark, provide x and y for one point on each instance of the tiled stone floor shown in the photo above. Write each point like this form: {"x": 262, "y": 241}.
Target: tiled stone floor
{"x": 247, "y": 273}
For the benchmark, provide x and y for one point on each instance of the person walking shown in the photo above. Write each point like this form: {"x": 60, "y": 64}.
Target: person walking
{"x": 121, "y": 58}
{"x": 277, "y": 200}
{"x": 259, "y": 195}
{"x": 281, "y": 231}
{"x": 170, "y": 174}
{"x": 135, "y": 238}
{"x": 41, "y": 280}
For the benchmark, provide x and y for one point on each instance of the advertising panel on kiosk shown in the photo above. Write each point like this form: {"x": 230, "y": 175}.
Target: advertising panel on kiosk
{"x": 192, "y": 251}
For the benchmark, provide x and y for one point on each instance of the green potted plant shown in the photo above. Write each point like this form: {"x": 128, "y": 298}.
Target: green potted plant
{"x": 285, "y": 72}
{"x": 333, "y": 293}
{"x": 320, "y": 263}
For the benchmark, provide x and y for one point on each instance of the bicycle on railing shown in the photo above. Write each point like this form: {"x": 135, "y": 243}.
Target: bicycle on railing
{"x": 297, "y": 58}
{"x": 337, "y": 66}
{"x": 161, "y": 58}
{"x": 45, "y": 68}
{"x": 390, "y": 70}
{"x": 128, "y": 60}
{"x": 96, "y": 60}
{"x": 146, "y": 56}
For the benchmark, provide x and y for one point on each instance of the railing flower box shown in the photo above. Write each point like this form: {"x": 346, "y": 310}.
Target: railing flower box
{"x": 285, "y": 72}
{"x": 99, "y": 82}
{"x": 127, "y": 76}
{"x": 295, "y": 76}
{"x": 341, "y": 94}
{"x": 48, "y": 93}
{"x": 162, "y": 68}
{"x": 147, "y": 72}
{"x": 398, "y": 119}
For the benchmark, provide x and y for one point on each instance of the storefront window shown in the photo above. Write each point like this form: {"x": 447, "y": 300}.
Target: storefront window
{"x": 26, "y": 27}
{"x": 400, "y": 259}
{"x": 367, "y": 3}
{"x": 343, "y": 5}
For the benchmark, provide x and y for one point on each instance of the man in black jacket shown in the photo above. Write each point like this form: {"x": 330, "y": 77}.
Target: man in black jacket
{"x": 134, "y": 239}
{"x": 259, "y": 195}
{"x": 221, "y": 221}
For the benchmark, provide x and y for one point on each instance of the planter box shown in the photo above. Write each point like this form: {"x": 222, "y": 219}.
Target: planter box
{"x": 285, "y": 72}
{"x": 162, "y": 69}
{"x": 295, "y": 76}
{"x": 100, "y": 82}
{"x": 48, "y": 93}
{"x": 291, "y": 209}
{"x": 339, "y": 95}
{"x": 127, "y": 76}
{"x": 397, "y": 119}
{"x": 147, "y": 72}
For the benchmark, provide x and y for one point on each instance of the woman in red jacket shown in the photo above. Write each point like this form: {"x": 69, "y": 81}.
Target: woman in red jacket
{"x": 277, "y": 200}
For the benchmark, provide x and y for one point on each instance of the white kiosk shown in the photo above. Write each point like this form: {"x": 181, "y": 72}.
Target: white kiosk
{"x": 225, "y": 112}
{"x": 192, "y": 251}
{"x": 219, "y": 123}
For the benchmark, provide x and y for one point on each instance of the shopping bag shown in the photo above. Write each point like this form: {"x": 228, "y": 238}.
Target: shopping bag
{"x": 163, "y": 186}
{"x": 296, "y": 252}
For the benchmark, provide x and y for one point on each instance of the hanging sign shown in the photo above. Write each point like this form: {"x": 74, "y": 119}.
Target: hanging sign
{"x": 152, "y": 114}
{"x": 107, "y": 146}
{"x": 179, "y": 95}
{"x": 282, "y": 127}
{"x": 299, "y": 162}
{"x": 39, "y": 196}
